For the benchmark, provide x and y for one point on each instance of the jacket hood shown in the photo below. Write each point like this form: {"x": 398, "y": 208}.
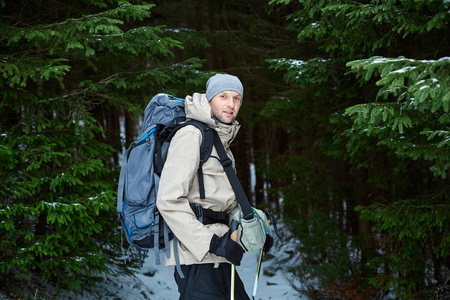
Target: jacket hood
{"x": 197, "y": 107}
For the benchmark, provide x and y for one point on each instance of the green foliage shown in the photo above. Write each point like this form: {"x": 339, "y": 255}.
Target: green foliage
{"x": 366, "y": 27}
{"x": 67, "y": 73}
{"x": 54, "y": 187}
{"x": 312, "y": 72}
{"x": 318, "y": 256}
{"x": 420, "y": 83}
{"x": 392, "y": 129}
{"x": 421, "y": 91}
{"x": 413, "y": 228}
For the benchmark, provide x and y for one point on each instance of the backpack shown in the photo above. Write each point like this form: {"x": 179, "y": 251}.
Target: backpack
{"x": 142, "y": 164}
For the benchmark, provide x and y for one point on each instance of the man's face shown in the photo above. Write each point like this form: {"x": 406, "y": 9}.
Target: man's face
{"x": 225, "y": 106}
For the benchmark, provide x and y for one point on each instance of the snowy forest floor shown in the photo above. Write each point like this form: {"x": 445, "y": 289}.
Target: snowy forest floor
{"x": 157, "y": 282}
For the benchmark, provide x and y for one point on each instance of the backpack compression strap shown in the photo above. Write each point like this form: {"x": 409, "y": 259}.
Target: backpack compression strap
{"x": 232, "y": 177}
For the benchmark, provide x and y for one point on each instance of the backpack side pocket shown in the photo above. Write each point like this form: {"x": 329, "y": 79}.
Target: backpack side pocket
{"x": 139, "y": 184}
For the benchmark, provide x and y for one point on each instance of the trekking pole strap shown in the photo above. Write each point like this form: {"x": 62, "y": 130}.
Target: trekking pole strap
{"x": 232, "y": 177}
{"x": 271, "y": 217}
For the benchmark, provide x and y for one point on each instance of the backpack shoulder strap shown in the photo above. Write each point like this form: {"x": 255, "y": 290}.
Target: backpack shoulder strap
{"x": 207, "y": 139}
{"x": 205, "y": 148}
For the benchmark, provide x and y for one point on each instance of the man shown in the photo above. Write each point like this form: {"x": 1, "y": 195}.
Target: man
{"x": 205, "y": 250}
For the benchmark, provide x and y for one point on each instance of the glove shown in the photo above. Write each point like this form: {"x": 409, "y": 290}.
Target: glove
{"x": 268, "y": 244}
{"x": 226, "y": 247}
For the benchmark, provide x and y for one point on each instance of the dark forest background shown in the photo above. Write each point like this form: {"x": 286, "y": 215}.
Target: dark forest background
{"x": 345, "y": 130}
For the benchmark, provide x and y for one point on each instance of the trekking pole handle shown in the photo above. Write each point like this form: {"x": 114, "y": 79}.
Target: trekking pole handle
{"x": 234, "y": 230}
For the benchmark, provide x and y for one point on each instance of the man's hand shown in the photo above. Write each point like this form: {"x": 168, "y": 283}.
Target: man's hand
{"x": 226, "y": 247}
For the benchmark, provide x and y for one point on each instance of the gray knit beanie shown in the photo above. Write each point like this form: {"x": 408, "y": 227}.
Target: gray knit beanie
{"x": 223, "y": 82}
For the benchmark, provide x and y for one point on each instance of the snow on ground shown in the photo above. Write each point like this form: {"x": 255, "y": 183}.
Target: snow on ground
{"x": 152, "y": 282}
{"x": 270, "y": 287}
{"x": 156, "y": 282}
{"x": 273, "y": 284}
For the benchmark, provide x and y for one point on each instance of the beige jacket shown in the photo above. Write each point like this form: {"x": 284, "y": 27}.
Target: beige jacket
{"x": 179, "y": 186}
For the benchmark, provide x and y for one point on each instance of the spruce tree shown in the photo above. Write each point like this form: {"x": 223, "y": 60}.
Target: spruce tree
{"x": 70, "y": 72}
{"x": 392, "y": 131}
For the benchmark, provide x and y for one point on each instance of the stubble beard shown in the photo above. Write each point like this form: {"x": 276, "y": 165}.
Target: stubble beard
{"x": 221, "y": 119}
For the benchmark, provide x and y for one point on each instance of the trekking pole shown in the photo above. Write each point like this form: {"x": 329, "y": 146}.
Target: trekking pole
{"x": 258, "y": 270}
{"x": 234, "y": 237}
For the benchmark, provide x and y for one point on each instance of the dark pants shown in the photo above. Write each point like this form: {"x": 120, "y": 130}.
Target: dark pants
{"x": 204, "y": 282}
